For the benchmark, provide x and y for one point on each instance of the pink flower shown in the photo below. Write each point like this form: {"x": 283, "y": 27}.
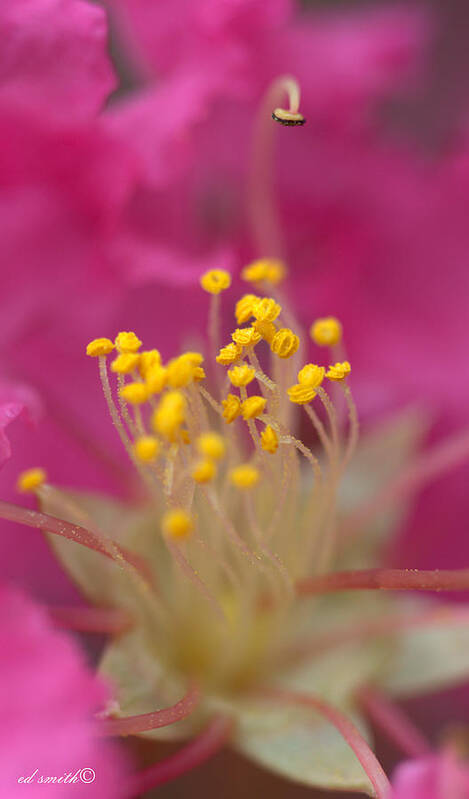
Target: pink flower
{"x": 440, "y": 776}
{"x": 48, "y": 698}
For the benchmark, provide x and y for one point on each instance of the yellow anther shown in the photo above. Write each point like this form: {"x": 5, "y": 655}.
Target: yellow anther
{"x": 269, "y": 269}
{"x": 269, "y": 440}
{"x": 301, "y": 393}
{"x": 212, "y": 445}
{"x": 231, "y": 408}
{"x": 229, "y": 354}
{"x": 135, "y": 393}
{"x": 148, "y": 359}
{"x": 195, "y": 358}
{"x": 311, "y": 375}
{"x": 127, "y": 342}
{"x": 170, "y": 414}
{"x": 180, "y": 372}
{"x": 244, "y": 476}
{"x": 285, "y": 343}
{"x": 99, "y": 346}
{"x": 339, "y": 371}
{"x": 244, "y": 308}
{"x": 246, "y": 336}
{"x": 266, "y": 309}
{"x": 215, "y": 281}
{"x": 253, "y": 407}
{"x": 146, "y": 448}
{"x": 125, "y": 363}
{"x": 199, "y": 374}
{"x": 204, "y": 471}
{"x": 241, "y": 375}
{"x": 177, "y": 524}
{"x": 31, "y": 480}
{"x": 326, "y": 332}
{"x": 156, "y": 379}
{"x": 266, "y": 329}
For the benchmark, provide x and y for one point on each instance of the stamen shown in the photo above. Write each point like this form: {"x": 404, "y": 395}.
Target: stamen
{"x": 264, "y": 218}
{"x": 385, "y": 580}
{"x": 51, "y": 524}
{"x": 347, "y": 729}
{"x": 90, "y": 620}
{"x": 133, "y": 725}
{"x": 201, "y": 748}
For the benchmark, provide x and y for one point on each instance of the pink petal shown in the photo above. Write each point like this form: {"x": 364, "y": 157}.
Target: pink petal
{"x": 48, "y": 699}
{"x": 16, "y": 400}
{"x": 54, "y": 55}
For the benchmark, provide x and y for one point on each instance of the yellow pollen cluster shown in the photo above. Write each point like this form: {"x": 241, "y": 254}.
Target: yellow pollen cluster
{"x": 285, "y": 343}
{"x": 99, "y": 346}
{"x": 266, "y": 330}
{"x": 246, "y": 336}
{"x": 215, "y": 281}
{"x": 326, "y": 332}
{"x": 146, "y": 448}
{"x": 301, "y": 394}
{"x": 269, "y": 440}
{"x": 125, "y": 363}
{"x": 311, "y": 375}
{"x": 253, "y": 406}
{"x": 30, "y": 480}
{"x": 156, "y": 379}
{"x": 204, "y": 471}
{"x": 241, "y": 375}
{"x": 229, "y": 354}
{"x": 244, "y": 308}
{"x": 177, "y": 524}
{"x": 127, "y": 342}
{"x": 339, "y": 371}
{"x": 148, "y": 360}
{"x": 212, "y": 445}
{"x": 170, "y": 414}
{"x": 134, "y": 393}
{"x": 244, "y": 476}
{"x": 266, "y": 309}
{"x": 268, "y": 270}
{"x": 231, "y": 408}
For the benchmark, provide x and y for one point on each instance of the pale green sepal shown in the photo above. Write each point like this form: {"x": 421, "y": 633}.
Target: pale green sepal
{"x": 428, "y": 658}
{"x": 299, "y": 745}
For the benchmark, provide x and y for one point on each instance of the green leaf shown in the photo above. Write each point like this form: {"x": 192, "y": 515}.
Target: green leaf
{"x": 102, "y": 581}
{"x": 299, "y": 745}
{"x": 429, "y": 658}
{"x": 141, "y": 685}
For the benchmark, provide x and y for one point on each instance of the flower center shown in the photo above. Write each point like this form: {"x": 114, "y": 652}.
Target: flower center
{"x": 241, "y": 519}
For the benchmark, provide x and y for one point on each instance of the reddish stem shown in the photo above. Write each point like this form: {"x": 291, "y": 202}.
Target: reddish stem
{"x": 200, "y": 749}
{"x": 349, "y": 732}
{"x": 385, "y": 580}
{"x": 90, "y": 620}
{"x": 133, "y": 725}
{"x": 393, "y": 721}
{"x": 74, "y": 532}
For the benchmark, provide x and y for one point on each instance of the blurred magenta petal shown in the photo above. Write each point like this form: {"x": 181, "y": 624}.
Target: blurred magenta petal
{"x": 48, "y": 699}
{"x": 438, "y": 777}
{"x": 16, "y": 400}
{"x": 54, "y": 55}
